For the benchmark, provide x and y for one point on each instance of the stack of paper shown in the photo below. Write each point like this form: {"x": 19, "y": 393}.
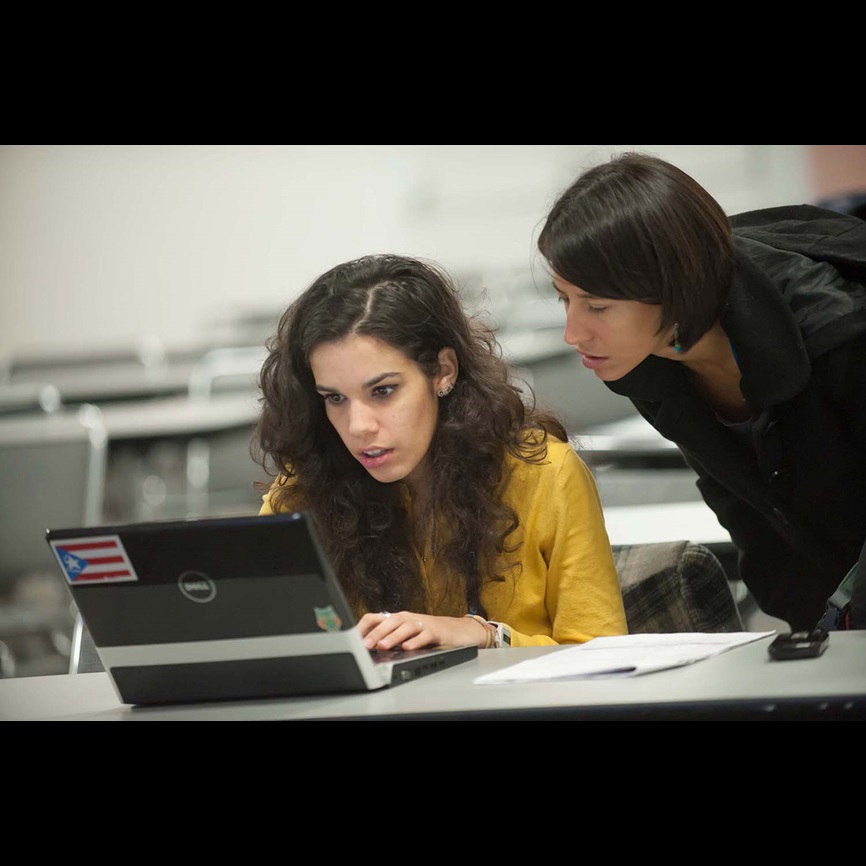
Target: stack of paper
{"x": 622, "y": 656}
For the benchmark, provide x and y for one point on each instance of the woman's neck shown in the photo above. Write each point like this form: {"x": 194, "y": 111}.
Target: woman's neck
{"x": 716, "y": 374}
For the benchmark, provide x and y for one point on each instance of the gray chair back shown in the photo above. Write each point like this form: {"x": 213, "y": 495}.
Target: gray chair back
{"x": 53, "y": 471}
{"x": 52, "y": 467}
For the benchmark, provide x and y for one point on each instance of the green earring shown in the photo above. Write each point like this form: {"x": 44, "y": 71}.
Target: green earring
{"x": 677, "y": 345}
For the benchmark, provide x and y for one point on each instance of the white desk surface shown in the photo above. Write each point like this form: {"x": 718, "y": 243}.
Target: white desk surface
{"x": 117, "y": 381}
{"x": 743, "y": 683}
{"x": 178, "y": 416}
{"x": 154, "y": 418}
{"x": 629, "y": 437}
{"x": 664, "y": 521}
{"x": 535, "y": 345}
{"x": 643, "y": 524}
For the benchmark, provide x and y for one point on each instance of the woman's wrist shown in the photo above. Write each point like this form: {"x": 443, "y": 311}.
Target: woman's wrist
{"x": 489, "y": 630}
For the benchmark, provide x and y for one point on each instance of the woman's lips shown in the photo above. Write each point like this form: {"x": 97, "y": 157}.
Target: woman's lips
{"x": 375, "y": 457}
{"x": 592, "y": 362}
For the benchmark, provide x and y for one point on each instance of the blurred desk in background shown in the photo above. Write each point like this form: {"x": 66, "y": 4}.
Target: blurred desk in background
{"x": 141, "y": 369}
{"x": 178, "y": 420}
{"x": 558, "y": 379}
{"x": 127, "y": 369}
{"x": 178, "y": 416}
{"x": 113, "y": 383}
{"x": 665, "y": 521}
{"x": 647, "y": 489}
{"x": 627, "y": 441}
{"x": 181, "y": 457}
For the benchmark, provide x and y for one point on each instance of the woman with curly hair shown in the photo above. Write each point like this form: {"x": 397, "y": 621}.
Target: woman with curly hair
{"x": 454, "y": 511}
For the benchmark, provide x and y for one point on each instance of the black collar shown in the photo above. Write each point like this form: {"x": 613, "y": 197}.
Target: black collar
{"x": 764, "y": 335}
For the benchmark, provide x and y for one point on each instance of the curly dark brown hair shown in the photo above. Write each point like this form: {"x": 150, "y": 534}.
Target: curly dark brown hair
{"x": 414, "y": 306}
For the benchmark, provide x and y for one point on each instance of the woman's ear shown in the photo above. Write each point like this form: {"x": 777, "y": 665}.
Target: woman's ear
{"x": 448, "y": 369}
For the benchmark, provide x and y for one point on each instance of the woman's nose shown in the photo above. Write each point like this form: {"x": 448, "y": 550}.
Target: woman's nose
{"x": 362, "y": 419}
{"x": 575, "y": 332}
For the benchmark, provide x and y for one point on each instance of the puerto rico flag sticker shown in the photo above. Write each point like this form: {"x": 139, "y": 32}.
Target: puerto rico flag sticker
{"x": 101, "y": 559}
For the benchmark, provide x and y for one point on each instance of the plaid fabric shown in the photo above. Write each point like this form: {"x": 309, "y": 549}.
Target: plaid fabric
{"x": 676, "y": 586}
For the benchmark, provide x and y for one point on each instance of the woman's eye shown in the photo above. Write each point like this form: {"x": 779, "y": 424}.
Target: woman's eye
{"x": 595, "y": 309}
{"x": 335, "y": 399}
{"x": 384, "y": 390}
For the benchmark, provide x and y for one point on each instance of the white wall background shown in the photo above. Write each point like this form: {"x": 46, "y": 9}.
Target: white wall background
{"x": 104, "y": 243}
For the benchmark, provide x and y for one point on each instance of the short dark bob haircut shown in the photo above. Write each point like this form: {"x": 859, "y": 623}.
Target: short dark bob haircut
{"x": 638, "y": 228}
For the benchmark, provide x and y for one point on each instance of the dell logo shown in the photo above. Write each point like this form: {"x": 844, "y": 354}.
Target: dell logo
{"x": 197, "y": 586}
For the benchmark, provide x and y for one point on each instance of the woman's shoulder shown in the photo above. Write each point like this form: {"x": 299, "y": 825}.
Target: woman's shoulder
{"x": 281, "y": 497}
{"x": 558, "y": 470}
{"x": 551, "y": 452}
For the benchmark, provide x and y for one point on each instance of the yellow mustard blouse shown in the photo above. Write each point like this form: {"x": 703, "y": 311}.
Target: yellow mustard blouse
{"x": 566, "y": 589}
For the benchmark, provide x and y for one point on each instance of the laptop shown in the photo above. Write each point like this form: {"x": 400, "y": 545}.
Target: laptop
{"x": 225, "y": 608}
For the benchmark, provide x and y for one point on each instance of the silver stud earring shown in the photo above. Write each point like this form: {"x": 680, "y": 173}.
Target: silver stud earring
{"x": 444, "y": 392}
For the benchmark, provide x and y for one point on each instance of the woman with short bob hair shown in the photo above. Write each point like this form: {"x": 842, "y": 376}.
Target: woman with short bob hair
{"x": 742, "y": 340}
{"x": 639, "y": 229}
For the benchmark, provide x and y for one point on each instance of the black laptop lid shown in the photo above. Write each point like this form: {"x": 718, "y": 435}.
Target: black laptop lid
{"x": 174, "y": 581}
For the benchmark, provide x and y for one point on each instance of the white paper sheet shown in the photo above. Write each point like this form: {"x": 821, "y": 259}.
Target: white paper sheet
{"x": 622, "y": 656}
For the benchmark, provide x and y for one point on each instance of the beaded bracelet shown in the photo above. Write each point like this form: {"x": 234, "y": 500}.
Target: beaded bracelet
{"x": 490, "y": 640}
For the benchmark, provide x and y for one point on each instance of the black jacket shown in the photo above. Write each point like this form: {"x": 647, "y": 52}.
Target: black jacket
{"x": 795, "y": 505}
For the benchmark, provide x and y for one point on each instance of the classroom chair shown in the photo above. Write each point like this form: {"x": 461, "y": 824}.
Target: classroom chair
{"x": 675, "y": 586}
